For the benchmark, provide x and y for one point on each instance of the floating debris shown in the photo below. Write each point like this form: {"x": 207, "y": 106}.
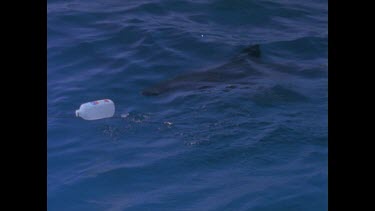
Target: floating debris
{"x": 98, "y": 109}
{"x": 124, "y": 115}
{"x": 168, "y": 123}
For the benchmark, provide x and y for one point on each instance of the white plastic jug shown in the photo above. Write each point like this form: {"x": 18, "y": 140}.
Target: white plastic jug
{"x": 98, "y": 109}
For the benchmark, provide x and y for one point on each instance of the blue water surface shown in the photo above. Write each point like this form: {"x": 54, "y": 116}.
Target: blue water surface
{"x": 259, "y": 146}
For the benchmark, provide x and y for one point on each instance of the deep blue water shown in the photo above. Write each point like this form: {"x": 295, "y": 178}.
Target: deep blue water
{"x": 259, "y": 146}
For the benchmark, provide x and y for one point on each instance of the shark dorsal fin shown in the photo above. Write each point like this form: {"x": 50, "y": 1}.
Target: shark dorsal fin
{"x": 252, "y": 51}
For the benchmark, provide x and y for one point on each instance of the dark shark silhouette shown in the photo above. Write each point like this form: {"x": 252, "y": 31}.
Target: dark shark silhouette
{"x": 237, "y": 69}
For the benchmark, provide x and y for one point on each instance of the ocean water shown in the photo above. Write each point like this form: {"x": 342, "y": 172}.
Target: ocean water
{"x": 259, "y": 143}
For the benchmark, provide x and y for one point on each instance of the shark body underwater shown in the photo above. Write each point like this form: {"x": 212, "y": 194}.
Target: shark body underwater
{"x": 240, "y": 70}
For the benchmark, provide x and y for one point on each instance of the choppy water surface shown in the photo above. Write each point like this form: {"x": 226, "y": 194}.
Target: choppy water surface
{"x": 255, "y": 143}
